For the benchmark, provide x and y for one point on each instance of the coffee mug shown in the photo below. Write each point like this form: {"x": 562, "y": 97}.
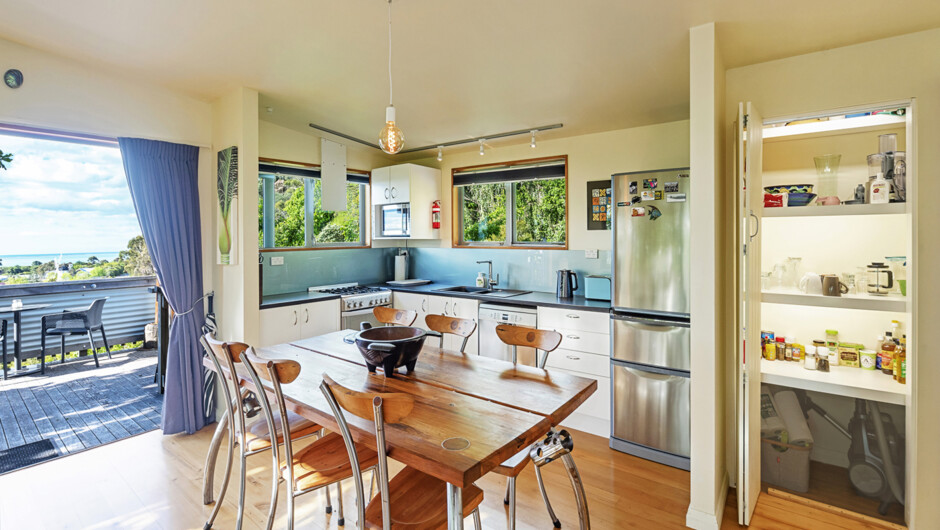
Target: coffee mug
{"x": 811, "y": 283}
{"x": 832, "y": 286}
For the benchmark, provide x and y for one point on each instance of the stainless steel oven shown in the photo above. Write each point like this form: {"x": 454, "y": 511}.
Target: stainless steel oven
{"x": 352, "y": 319}
{"x": 395, "y": 220}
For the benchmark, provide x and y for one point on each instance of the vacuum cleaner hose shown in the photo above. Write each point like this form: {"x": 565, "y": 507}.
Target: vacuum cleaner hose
{"x": 893, "y": 481}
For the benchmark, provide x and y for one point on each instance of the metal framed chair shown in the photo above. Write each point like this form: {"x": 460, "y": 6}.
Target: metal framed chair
{"x": 420, "y": 498}
{"x": 251, "y": 439}
{"x": 68, "y": 323}
{"x": 317, "y": 466}
{"x": 3, "y": 345}
{"x": 462, "y": 327}
{"x": 546, "y": 341}
{"x": 395, "y": 317}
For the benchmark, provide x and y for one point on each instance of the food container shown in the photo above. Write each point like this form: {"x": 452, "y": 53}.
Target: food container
{"x": 391, "y": 346}
{"x": 868, "y": 359}
{"x": 848, "y": 354}
{"x": 809, "y": 360}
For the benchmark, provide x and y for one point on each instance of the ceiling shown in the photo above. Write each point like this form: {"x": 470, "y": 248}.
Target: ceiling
{"x": 461, "y": 68}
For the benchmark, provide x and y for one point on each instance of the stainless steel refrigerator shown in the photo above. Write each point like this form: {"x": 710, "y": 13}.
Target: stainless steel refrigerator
{"x": 650, "y": 315}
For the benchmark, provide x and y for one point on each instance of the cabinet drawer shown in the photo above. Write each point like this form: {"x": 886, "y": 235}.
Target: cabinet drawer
{"x": 555, "y": 318}
{"x": 575, "y": 361}
{"x": 598, "y": 404}
{"x": 585, "y": 341}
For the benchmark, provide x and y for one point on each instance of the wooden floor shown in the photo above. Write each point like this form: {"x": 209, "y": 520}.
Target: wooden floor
{"x": 155, "y": 481}
{"x": 77, "y": 406}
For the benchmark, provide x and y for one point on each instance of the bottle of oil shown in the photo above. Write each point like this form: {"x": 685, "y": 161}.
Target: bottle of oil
{"x": 900, "y": 362}
{"x": 887, "y": 354}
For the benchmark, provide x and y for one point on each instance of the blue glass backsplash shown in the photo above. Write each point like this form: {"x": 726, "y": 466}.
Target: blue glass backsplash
{"x": 532, "y": 270}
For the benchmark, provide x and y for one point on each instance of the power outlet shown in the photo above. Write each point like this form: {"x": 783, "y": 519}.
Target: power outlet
{"x": 277, "y": 260}
{"x": 590, "y": 254}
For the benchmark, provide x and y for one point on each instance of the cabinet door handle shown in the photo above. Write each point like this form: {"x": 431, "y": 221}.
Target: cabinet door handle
{"x": 295, "y": 317}
{"x": 454, "y": 309}
{"x": 573, "y": 337}
{"x": 572, "y": 316}
{"x": 424, "y": 305}
{"x": 306, "y": 315}
{"x": 393, "y": 192}
{"x": 445, "y": 307}
{"x": 386, "y": 193}
{"x": 573, "y": 357}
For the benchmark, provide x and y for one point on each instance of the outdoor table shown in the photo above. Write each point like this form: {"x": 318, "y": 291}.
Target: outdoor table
{"x": 17, "y": 332}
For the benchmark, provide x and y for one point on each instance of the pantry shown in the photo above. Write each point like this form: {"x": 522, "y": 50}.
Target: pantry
{"x": 826, "y": 311}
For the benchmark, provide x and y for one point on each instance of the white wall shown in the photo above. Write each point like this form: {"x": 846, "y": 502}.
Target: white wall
{"x": 590, "y": 157}
{"x": 276, "y": 141}
{"x": 710, "y": 276}
{"x": 842, "y": 77}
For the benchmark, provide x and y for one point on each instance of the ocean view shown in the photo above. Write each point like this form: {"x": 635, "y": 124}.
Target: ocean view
{"x": 28, "y": 259}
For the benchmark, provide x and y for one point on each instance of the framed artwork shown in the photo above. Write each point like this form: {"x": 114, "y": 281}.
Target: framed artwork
{"x": 227, "y": 183}
{"x": 598, "y": 205}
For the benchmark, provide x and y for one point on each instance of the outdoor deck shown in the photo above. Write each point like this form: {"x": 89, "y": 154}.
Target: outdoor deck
{"x": 77, "y": 406}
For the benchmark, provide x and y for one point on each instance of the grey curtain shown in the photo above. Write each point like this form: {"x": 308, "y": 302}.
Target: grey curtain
{"x": 163, "y": 179}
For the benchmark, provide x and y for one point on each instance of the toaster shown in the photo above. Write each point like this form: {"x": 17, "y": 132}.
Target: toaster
{"x": 597, "y": 287}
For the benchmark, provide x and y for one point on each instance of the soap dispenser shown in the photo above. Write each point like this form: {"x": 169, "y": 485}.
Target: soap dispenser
{"x": 481, "y": 279}
{"x": 879, "y": 190}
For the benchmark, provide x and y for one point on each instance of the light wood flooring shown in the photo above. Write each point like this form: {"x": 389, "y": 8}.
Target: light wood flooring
{"x": 155, "y": 481}
{"x": 78, "y": 406}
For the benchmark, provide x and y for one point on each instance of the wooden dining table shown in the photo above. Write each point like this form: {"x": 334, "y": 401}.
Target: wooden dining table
{"x": 488, "y": 408}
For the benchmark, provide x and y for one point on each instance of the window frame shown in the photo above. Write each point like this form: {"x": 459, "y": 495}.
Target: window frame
{"x": 365, "y": 240}
{"x": 510, "y": 241}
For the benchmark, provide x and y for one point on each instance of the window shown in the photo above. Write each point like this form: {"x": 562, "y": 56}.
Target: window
{"x": 290, "y": 214}
{"x": 519, "y": 204}
{"x": 65, "y": 209}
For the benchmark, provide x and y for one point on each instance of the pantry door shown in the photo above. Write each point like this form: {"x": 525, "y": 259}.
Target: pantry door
{"x": 749, "y": 162}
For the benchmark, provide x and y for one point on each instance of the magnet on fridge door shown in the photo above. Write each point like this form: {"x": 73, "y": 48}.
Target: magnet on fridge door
{"x": 659, "y": 195}
{"x": 650, "y": 184}
{"x": 633, "y": 188}
{"x": 671, "y": 187}
{"x": 635, "y": 199}
{"x": 648, "y": 196}
{"x": 675, "y": 197}
{"x": 654, "y": 213}
{"x": 622, "y": 204}
{"x": 638, "y": 211}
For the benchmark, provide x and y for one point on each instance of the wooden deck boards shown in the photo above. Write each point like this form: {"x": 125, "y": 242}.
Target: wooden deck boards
{"x": 77, "y": 406}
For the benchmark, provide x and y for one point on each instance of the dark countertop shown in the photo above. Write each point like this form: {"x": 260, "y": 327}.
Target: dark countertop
{"x": 302, "y": 297}
{"x": 533, "y": 299}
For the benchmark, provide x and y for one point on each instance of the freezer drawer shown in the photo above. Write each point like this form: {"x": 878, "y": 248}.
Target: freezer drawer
{"x": 651, "y": 408}
{"x": 651, "y": 341}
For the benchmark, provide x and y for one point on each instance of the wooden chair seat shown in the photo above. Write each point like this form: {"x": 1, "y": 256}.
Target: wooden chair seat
{"x": 514, "y": 464}
{"x": 326, "y": 461}
{"x": 257, "y": 437}
{"x": 418, "y": 502}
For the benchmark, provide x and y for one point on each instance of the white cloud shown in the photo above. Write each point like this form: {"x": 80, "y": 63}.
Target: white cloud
{"x": 62, "y": 197}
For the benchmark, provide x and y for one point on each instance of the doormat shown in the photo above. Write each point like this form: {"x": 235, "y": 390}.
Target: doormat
{"x": 26, "y": 455}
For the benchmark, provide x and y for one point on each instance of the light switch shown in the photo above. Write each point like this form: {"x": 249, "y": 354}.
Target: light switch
{"x": 277, "y": 260}
{"x": 590, "y": 254}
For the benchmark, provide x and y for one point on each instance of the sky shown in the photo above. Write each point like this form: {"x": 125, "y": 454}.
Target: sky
{"x": 63, "y": 197}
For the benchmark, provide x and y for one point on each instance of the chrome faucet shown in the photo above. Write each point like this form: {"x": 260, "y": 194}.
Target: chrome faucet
{"x": 490, "y": 282}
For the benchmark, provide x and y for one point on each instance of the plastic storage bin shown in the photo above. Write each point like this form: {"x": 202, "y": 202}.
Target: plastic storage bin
{"x": 785, "y": 465}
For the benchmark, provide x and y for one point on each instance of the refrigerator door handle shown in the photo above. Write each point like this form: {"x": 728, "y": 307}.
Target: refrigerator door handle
{"x": 650, "y": 324}
{"x": 652, "y": 375}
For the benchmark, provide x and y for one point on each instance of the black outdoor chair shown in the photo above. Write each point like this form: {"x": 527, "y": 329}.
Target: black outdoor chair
{"x": 69, "y": 323}
{"x": 3, "y": 340}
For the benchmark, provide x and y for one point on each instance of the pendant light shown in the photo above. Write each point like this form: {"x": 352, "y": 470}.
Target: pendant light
{"x": 532, "y": 143}
{"x": 440, "y": 153}
{"x": 391, "y": 139}
{"x": 482, "y": 152}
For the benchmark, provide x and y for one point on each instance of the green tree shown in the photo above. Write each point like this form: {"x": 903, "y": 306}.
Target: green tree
{"x": 540, "y": 211}
{"x": 137, "y": 258}
{"x": 5, "y": 158}
{"x": 484, "y": 212}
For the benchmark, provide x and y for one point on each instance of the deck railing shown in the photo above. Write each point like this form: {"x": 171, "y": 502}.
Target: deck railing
{"x": 130, "y": 307}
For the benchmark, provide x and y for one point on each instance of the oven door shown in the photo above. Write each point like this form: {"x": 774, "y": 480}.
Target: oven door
{"x": 396, "y": 220}
{"x": 353, "y": 319}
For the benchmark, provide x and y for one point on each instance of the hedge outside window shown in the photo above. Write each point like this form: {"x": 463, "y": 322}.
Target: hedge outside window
{"x": 518, "y": 204}
{"x": 290, "y": 214}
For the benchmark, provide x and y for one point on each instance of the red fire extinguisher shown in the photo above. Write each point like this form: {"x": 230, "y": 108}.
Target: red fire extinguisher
{"x": 436, "y": 214}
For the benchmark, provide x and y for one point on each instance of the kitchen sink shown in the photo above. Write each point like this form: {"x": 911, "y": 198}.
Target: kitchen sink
{"x": 505, "y": 293}
{"x": 464, "y": 289}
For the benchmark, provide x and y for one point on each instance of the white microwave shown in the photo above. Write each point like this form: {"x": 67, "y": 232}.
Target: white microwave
{"x": 395, "y": 220}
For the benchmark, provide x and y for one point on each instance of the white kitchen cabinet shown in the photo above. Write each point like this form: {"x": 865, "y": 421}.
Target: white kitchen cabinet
{"x": 295, "y": 322}
{"x": 459, "y": 308}
{"x": 413, "y": 302}
{"x": 419, "y": 186}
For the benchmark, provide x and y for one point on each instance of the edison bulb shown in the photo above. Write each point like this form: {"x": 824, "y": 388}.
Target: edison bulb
{"x": 391, "y": 139}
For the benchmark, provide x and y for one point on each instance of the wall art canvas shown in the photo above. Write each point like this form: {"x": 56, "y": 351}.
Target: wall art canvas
{"x": 227, "y": 182}
{"x": 599, "y": 205}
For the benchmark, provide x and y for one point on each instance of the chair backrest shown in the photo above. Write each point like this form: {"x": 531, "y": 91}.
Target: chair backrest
{"x": 275, "y": 372}
{"x": 224, "y": 356}
{"x": 392, "y": 316}
{"x": 540, "y": 339}
{"x": 462, "y": 327}
{"x": 94, "y": 312}
{"x": 381, "y": 408}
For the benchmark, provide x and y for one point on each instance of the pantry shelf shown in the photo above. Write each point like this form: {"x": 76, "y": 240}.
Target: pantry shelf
{"x": 896, "y": 304}
{"x": 840, "y": 380}
{"x": 842, "y": 209}
{"x": 878, "y": 122}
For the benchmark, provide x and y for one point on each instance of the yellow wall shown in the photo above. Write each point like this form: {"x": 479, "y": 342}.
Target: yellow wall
{"x": 590, "y": 157}
{"x": 276, "y": 141}
{"x": 879, "y": 71}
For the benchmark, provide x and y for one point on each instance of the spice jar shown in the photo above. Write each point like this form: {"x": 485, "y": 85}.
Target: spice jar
{"x": 781, "y": 349}
{"x": 832, "y": 344}
{"x": 809, "y": 358}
